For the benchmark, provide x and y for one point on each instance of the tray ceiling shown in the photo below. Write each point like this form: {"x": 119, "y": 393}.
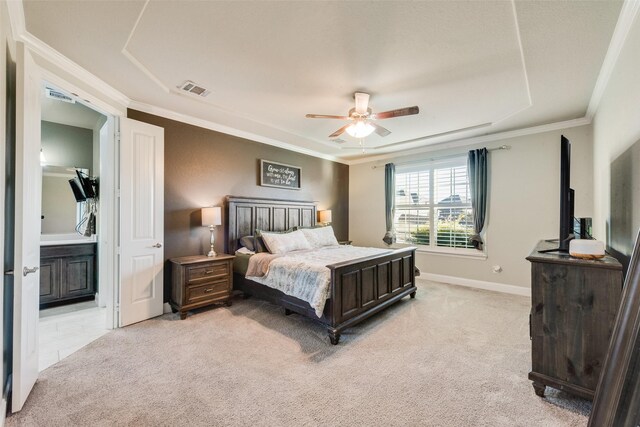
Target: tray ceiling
{"x": 267, "y": 64}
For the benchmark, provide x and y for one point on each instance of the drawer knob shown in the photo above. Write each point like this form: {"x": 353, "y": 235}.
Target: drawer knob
{"x": 208, "y": 290}
{"x": 208, "y": 272}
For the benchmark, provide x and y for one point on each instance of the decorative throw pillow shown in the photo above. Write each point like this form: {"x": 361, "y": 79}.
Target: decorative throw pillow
{"x": 280, "y": 243}
{"x": 247, "y": 242}
{"x": 320, "y": 237}
{"x": 258, "y": 241}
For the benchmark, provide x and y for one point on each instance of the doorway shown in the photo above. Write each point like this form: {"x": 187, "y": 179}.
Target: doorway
{"x": 73, "y": 298}
{"x": 129, "y": 222}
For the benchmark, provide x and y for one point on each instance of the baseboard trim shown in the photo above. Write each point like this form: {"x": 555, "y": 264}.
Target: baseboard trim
{"x": 478, "y": 284}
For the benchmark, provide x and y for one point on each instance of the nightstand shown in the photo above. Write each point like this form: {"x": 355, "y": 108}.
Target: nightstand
{"x": 198, "y": 281}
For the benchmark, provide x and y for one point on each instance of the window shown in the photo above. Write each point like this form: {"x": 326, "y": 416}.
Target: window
{"x": 433, "y": 205}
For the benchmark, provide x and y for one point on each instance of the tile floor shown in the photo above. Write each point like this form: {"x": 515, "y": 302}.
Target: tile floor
{"x": 68, "y": 328}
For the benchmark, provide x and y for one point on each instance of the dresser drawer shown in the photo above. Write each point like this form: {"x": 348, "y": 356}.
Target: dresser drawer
{"x": 200, "y": 273}
{"x": 207, "y": 291}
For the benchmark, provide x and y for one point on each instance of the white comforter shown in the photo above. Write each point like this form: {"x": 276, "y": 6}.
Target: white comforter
{"x": 304, "y": 275}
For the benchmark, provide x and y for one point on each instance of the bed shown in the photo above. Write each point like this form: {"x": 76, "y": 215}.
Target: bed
{"x": 358, "y": 289}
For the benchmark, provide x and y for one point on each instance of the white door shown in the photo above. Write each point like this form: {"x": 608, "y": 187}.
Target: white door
{"x": 141, "y": 221}
{"x": 27, "y": 228}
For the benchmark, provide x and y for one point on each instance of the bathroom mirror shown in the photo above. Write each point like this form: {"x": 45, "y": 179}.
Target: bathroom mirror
{"x": 60, "y": 211}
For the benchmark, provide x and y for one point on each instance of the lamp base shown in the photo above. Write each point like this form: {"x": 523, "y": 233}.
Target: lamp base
{"x": 212, "y": 252}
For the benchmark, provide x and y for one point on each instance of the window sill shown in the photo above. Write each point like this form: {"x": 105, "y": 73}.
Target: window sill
{"x": 461, "y": 253}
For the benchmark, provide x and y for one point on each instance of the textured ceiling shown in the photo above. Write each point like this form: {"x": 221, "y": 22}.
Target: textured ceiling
{"x": 267, "y": 64}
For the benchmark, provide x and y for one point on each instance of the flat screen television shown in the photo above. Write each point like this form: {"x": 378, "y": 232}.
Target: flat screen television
{"x": 77, "y": 190}
{"x": 87, "y": 185}
{"x": 567, "y": 196}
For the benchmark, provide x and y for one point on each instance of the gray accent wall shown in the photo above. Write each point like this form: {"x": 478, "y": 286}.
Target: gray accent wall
{"x": 203, "y": 166}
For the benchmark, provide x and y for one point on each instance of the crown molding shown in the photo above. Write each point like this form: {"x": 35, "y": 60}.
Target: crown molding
{"x": 207, "y": 124}
{"x": 20, "y": 33}
{"x": 16, "y": 18}
{"x": 56, "y": 58}
{"x": 626, "y": 19}
{"x": 627, "y": 16}
{"x": 549, "y": 127}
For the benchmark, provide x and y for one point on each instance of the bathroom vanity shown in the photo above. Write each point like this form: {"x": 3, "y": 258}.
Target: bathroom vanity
{"x": 67, "y": 272}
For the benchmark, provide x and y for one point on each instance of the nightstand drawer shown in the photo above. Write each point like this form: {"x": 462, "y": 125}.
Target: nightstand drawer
{"x": 197, "y": 274}
{"x": 208, "y": 291}
{"x": 198, "y": 281}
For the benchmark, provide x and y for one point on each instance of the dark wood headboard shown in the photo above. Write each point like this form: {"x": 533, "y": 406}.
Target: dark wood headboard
{"x": 245, "y": 214}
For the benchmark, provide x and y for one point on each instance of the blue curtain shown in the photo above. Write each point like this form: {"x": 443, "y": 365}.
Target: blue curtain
{"x": 390, "y": 201}
{"x": 477, "y": 166}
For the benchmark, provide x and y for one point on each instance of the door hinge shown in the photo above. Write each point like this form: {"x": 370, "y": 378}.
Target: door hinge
{"x": 117, "y": 136}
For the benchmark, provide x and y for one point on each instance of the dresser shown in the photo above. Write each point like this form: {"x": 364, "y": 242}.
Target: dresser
{"x": 574, "y": 303}
{"x": 199, "y": 281}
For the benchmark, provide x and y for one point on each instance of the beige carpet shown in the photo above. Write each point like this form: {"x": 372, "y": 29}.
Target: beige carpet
{"x": 451, "y": 357}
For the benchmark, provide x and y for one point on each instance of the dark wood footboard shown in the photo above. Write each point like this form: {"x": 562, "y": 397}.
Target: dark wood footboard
{"x": 366, "y": 286}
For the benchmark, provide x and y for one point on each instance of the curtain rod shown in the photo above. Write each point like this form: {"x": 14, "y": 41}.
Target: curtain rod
{"x": 502, "y": 147}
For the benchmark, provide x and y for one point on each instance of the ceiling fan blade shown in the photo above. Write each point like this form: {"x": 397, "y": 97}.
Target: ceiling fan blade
{"x": 325, "y": 116}
{"x": 380, "y": 130}
{"x": 339, "y": 131}
{"x": 362, "y": 102}
{"x": 408, "y": 111}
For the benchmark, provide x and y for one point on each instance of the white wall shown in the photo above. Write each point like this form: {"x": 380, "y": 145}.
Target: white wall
{"x": 616, "y": 127}
{"x": 523, "y": 208}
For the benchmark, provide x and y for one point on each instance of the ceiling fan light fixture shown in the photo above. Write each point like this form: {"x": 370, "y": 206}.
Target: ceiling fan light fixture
{"x": 360, "y": 129}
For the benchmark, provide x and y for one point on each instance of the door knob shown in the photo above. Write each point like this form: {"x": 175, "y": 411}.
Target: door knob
{"x": 157, "y": 245}
{"x": 26, "y": 270}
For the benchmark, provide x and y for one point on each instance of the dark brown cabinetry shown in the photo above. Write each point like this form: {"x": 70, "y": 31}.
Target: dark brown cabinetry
{"x": 574, "y": 304}
{"x": 198, "y": 281}
{"x": 67, "y": 273}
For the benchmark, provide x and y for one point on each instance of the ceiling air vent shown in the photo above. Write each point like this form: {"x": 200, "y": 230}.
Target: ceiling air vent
{"x": 191, "y": 87}
{"x": 54, "y": 94}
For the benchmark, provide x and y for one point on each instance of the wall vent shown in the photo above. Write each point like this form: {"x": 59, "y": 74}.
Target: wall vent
{"x": 191, "y": 87}
{"x": 54, "y": 94}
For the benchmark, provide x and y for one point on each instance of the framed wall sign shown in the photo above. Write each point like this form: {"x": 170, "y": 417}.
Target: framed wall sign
{"x": 274, "y": 174}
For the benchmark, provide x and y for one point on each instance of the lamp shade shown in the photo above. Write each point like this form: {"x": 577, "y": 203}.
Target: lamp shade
{"x": 211, "y": 216}
{"x": 324, "y": 216}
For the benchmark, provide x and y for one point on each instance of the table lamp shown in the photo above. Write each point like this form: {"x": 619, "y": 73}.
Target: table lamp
{"x": 324, "y": 217}
{"x": 211, "y": 217}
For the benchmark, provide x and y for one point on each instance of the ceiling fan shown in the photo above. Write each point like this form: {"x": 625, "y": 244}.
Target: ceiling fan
{"x": 361, "y": 118}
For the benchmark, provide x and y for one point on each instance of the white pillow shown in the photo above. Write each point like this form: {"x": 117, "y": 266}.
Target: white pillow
{"x": 320, "y": 237}
{"x": 280, "y": 243}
